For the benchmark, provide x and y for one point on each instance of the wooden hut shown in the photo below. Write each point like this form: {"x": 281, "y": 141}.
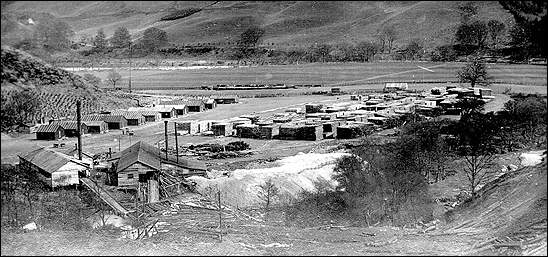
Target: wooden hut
{"x": 50, "y": 132}
{"x": 138, "y": 167}
{"x": 195, "y": 105}
{"x": 53, "y": 168}
{"x": 222, "y": 129}
{"x": 210, "y": 104}
{"x": 113, "y": 121}
{"x": 148, "y": 113}
{"x": 226, "y": 99}
{"x": 71, "y": 127}
{"x": 95, "y": 127}
{"x": 180, "y": 106}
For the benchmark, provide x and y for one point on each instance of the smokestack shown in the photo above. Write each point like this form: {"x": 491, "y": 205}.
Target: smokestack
{"x": 165, "y": 134}
{"x": 110, "y": 152}
{"x": 79, "y": 126}
{"x": 176, "y": 142}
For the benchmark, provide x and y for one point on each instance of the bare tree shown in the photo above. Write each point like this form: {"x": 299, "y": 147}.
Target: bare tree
{"x": 113, "y": 77}
{"x": 391, "y": 36}
{"x": 478, "y": 135}
{"x": 267, "y": 192}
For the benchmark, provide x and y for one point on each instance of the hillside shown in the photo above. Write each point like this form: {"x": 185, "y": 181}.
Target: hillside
{"x": 58, "y": 89}
{"x": 285, "y": 22}
{"x": 509, "y": 214}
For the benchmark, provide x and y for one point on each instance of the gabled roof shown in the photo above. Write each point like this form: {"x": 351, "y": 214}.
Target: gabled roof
{"x": 103, "y": 117}
{"x": 71, "y": 151}
{"x": 66, "y": 124}
{"x": 194, "y": 102}
{"x": 94, "y": 123}
{"x": 49, "y": 160}
{"x": 173, "y": 102}
{"x": 150, "y": 156}
{"x": 48, "y": 128}
{"x": 139, "y": 152}
{"x": 224, "y": 97}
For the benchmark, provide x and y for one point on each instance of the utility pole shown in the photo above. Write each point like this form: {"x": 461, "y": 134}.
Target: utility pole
{"x": 130, "y": 66}
{"x": 176, "y": 142}
{"x": 165, "y": 135}
{"x": 79, "y": 127}
{"x": 220, "y": 215}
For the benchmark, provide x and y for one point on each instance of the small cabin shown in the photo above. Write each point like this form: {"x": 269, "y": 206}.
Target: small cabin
{"x": 53, "y": 168}
{"x": 95, "y": 127}
{"x": 50, "y": 132}
{"x": 71, "y": 127}
{"x": 195, "y": 106}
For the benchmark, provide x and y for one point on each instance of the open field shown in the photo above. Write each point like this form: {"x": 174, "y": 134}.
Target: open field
{"x": 326, "y": 74}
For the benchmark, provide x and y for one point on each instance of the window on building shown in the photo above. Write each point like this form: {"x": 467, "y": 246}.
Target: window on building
{"x": 129, "y": 176}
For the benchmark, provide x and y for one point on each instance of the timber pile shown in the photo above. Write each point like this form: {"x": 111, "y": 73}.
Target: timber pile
{"x": 171, "y": 185}
{"x": 353, "y": 130}
{"x": 301, "y": 132}
{"x": 248, "y": 131}
{"x": 313, "y": 108}
{"x": 269, "y": 131}
{"x": 195, "y": 214}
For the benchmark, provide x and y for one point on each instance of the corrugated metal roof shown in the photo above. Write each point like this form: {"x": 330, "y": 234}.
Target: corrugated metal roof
{"x": 48, "y": 128}
{"x": 49, "y": 160}
{"x": 73, "y": 151}
{"x": 92, "y": 117}
{"x": 129, "y": 115}
{"x": 173, "y": 102}
{"x": 103, "y": 117}
{"x": 94, "y": 123}
{"x": 194, "y": 102}
{"x": 146, "y": 111}
{"x": 139, "y": 152}
{"x": 66, "y": 124}
{"x": 152, "y": 157}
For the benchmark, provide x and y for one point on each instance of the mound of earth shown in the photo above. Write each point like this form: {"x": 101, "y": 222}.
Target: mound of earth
{"x": 509, "y": 214}
{"x": 291, "y": 175}
{"x": 57, "y": 89}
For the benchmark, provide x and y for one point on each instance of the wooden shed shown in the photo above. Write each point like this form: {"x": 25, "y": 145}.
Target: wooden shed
{"x": 71, "y": 127}
{"x": 113, "y": 121}
{"x": 195, "y": 105}
{"x": 222, "y": 129}
{"x": 180, "y": 106}
{"x": 210, "y": 104}
{"x": 50, "y": 132}
{"x": 53, "y": 168}
{"x": 226, "y": 99}
{"x": 138, "y": 167}
{"x": 94, "y": 127}
{"x": 149, "y": 113}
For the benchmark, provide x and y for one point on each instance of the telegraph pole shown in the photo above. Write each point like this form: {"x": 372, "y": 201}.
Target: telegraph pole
{"x": 176, "y": 142}
{"x": 130, "y": 66}
{"x": 165, "y": 134}
{"x": 79, "y": 127}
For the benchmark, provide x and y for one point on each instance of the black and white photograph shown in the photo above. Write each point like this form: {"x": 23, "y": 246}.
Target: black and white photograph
{"x": 285, "y": 128}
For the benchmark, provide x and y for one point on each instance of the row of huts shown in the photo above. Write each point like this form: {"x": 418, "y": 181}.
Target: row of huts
{"x": 133, "y": 116}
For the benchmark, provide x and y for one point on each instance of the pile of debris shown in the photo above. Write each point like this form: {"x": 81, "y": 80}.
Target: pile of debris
{"x": 217, "y": 151}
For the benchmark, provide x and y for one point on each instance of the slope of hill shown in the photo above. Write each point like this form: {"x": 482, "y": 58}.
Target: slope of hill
{"x": 285, "y": 22}
{"x": 509, "y": 215}
{"x": 57, "y": 89}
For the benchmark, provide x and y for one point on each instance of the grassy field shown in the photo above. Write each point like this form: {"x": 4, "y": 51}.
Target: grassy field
{"x": 326, "y": 74}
